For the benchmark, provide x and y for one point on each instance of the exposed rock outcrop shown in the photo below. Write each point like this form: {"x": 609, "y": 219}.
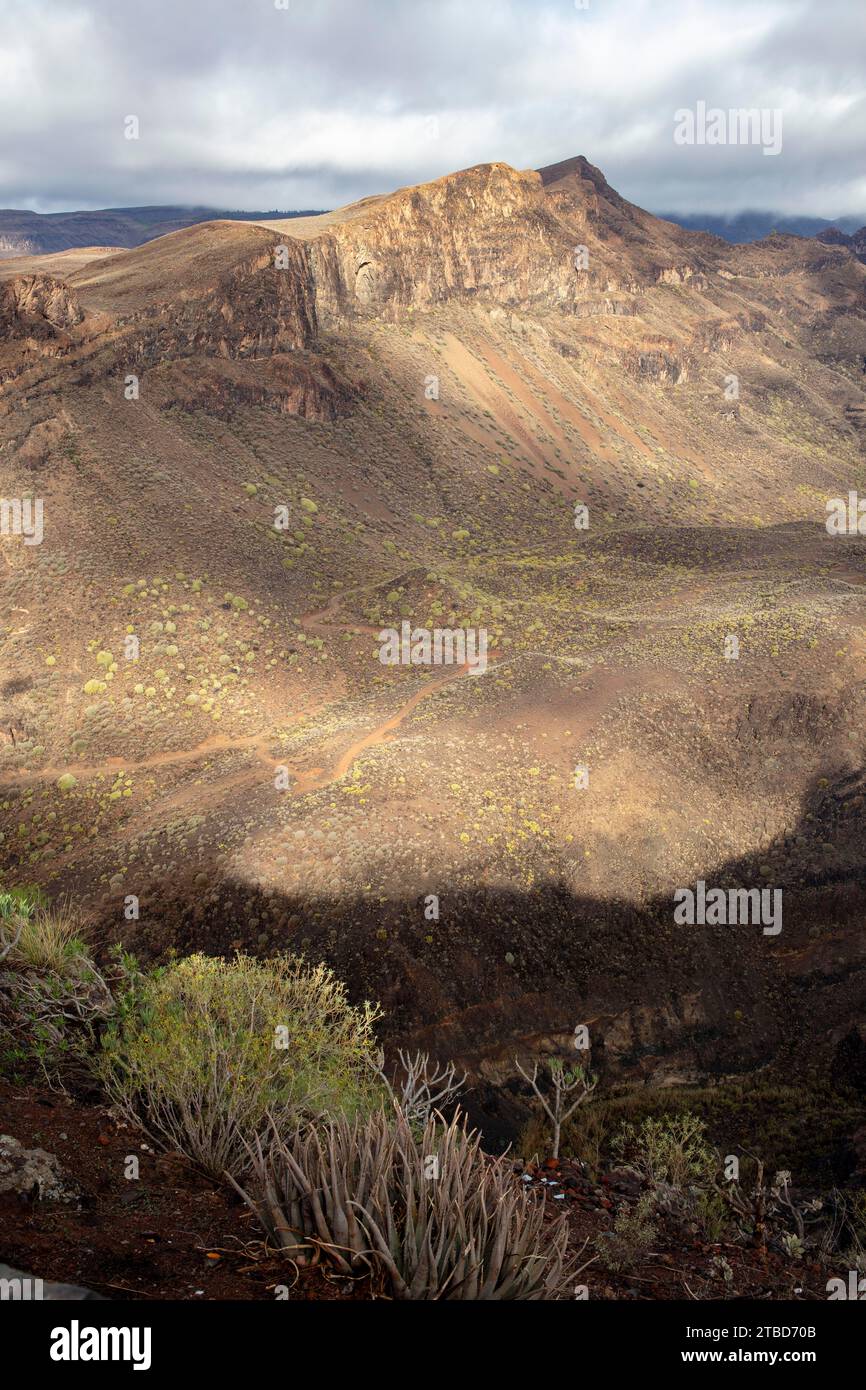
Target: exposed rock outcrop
{"x": 37, "y": 306}
{"x": 31, "y": 1172}
{"x": 257, "y": 310}
{"x": 549, "y": 239}
{"x": 482, "y": 232}
{"x": 298, "y": 384}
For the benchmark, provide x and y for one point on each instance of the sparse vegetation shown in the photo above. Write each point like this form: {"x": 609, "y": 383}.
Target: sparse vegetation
{"x": 672, "y": 1150}
{"x": 54, "y": 1000}
{"x": 629, "y": 1242}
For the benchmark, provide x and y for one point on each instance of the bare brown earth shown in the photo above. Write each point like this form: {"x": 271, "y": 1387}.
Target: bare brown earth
{"x": 170, "y": 1234}
{"x": 309, "y": 387}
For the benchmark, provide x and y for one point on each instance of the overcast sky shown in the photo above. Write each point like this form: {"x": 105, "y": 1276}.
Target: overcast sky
{"x": 245, "y": 105}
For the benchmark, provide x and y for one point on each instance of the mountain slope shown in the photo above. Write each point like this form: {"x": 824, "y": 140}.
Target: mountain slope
{"x": 430, "y": 382}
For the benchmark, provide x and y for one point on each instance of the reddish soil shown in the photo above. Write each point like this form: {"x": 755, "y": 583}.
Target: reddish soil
{"x": 170, "y": 1235}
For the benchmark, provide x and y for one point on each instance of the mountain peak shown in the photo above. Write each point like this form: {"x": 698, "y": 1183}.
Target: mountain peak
{"x": 576, "y": 167}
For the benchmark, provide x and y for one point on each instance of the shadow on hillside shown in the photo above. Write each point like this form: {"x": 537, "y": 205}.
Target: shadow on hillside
{"x": 504, "y": 972}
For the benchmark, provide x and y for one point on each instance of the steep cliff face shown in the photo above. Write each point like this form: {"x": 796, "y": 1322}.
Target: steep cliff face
{"x": 483, "y": 232}
{"x": 258, "y": 309}
{"x": 558, "y": 239}
{"x": 224, "y": 291}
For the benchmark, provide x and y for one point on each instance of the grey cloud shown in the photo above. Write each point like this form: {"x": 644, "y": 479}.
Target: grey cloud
{"x": 244, "y": 105}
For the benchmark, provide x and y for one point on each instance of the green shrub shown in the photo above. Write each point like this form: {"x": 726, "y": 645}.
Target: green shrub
{"x": 203, "y": 1051}
{"x": 670, "y": 1150}
{"x": 21, "y": 901}
{"x": 630, "y": 1241}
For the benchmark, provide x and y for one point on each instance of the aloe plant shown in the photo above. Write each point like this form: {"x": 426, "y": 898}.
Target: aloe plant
{"x": 431, "y": 1212}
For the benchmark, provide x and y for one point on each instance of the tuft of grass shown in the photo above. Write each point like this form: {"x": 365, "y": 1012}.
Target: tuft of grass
{"x": 50, "y": 938}
{"x": 53, "y": 998}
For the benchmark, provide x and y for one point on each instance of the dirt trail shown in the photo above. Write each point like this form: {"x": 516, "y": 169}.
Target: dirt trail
{"x": 216, "y": 743}
{"x": 307, "y": 779}
{"x": 314, "y": 780}
{"x": 311, "y": 779}
{"x": 324, "y": 618}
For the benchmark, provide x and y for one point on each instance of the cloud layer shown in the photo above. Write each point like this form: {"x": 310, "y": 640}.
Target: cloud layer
{"x": 249, "y": 104}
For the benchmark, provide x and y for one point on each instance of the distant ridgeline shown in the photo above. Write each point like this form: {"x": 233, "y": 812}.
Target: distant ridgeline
{"x": 753, "y": 226}
{"x": 24, "y": 233}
